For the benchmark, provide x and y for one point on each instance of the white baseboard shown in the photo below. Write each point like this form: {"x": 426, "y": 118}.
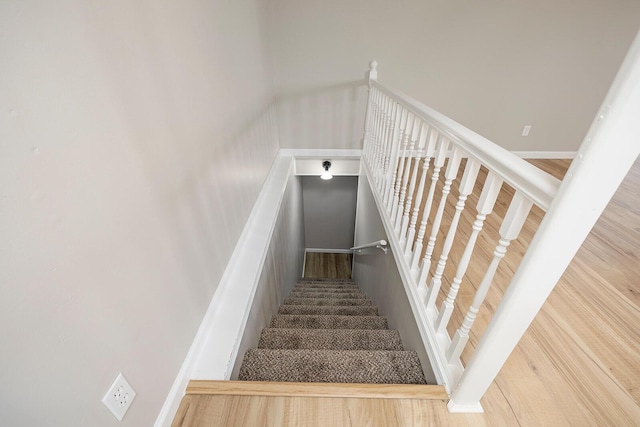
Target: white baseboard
{"x": 545, "y": 154}
{"x": 468, "y": 409}
{"x": 214, "y": 349}
{"x": 328, "y": 251}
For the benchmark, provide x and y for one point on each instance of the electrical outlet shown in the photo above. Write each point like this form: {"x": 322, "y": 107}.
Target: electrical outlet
{"x": 526, "y": 130}
{"x": 119, "y": 397}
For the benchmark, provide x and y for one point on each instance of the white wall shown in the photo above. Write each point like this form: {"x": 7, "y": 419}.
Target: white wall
{"x": 494, "y": 66}
{"x": 323, "y": 117}
{"x": 282, "y": 268}
{"x": 133, "y": 143}
{"x": 377, "y": 274}
{"x": 329, "y": 211}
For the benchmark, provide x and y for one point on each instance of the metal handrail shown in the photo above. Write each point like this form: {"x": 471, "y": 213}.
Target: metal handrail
{"x": 378, "y": 244}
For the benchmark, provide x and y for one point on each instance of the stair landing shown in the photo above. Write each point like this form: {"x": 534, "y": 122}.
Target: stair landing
{"x": 228, "y": 403}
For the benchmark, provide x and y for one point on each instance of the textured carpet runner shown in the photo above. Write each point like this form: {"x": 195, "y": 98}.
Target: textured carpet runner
{"x": 329, "y": 331}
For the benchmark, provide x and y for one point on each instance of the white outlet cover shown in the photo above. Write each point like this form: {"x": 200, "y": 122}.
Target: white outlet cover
{"x": 119, "y": 397}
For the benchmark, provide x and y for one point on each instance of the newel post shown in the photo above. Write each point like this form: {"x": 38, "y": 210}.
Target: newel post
{"x": 372, "y": 74}
{"x": 604, "y": 158}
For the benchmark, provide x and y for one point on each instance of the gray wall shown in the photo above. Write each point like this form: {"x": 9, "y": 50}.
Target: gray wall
{"x": 494, "y": 66}
{"x": 133, "y": 145}
{"x": 282, "y": 268}
{"x": 329, "y": 211}
{"x": 377, "y": 274}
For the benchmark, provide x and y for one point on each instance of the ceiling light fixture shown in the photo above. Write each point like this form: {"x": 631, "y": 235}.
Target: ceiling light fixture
{"x": 326, "y": 174}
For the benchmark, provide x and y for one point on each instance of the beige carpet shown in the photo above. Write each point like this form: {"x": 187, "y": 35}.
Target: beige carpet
{"x": 329, "y": 331}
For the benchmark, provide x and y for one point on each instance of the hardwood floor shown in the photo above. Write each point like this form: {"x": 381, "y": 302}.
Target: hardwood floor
{"x": 207, "y": 410}
{"x": 577, "y": 365}
{"x": 327, "y": 266}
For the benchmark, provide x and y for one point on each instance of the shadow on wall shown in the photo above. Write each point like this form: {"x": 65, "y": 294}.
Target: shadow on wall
{"x": 326, "y": 117}
{"x": 221, "y": 202}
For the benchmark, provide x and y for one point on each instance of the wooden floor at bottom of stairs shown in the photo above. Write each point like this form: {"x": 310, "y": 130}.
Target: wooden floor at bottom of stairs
{"x": 252, "y": 403}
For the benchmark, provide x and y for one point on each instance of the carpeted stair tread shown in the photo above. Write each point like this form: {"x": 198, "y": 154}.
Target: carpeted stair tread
{"x": 338, "y": 366}
{"x": 335, "y": 289}
{"x": 350, "y": 295}
{"x": 328, "y": 321}
{"x": 324, "y": 280}
{"x": 329, "y": 331}
{"x": 342, "y": 310}
{"x": 326, "y": 285}
{"x": 327, "y": 301}
{"x": 326, "y": 290}
{"x": 330, "y": 339}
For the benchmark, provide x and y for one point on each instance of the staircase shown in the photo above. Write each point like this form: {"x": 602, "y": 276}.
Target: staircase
{"x": 328, "y": 331}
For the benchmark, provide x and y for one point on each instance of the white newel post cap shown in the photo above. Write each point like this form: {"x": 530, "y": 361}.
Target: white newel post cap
{"x": 373, "y": 72}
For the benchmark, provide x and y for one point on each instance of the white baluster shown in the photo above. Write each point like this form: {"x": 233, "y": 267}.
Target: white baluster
{"x": 406, "y": 173}
{"x": 422, "y": 136}
{"x": 385, "y": 143}
{"x": 487, "y": 200}
{"x": 466, "y": 187}
{"x": 376, "y": 126}
{"x": 438, "y": 162}
{"x": 395, "y": 150}
{"x": 371, "y": 76}
{"x": 404, "y": 135}
{"x": 391, "y": 105}
{"x": 449, "y": 175}
{"x": 509, "y": 230}
{"x": 432, "y": 138}
{"x": 371, "y": 126}
{"x": 376, "y": 131}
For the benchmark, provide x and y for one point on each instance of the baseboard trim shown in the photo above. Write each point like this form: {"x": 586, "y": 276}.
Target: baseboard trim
{"x": 363, "y": 391}
{"x": 215, "y": 346}
{"x": 545, "y": 154}
{"x": 327, "y": 251}
{"x": 465, "y": 409}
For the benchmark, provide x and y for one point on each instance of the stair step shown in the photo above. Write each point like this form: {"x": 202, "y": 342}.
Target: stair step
{"x": 332, "y": 339}
{"x": 314, "y": 321}
{"x": 336, "y": 290}
{"x": 341, "y": 289}
{"x": 334, "y": 366}
{"x": 327, "y": 301}
{"x": 349, "y": 295}
{"x": 327, "y": 285}
{"x": 324, "y": 280}
{"x": 342, "y": 310}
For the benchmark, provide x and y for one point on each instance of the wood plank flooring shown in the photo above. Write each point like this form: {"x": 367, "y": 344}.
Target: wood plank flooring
{"x": 327, "y": 265}
{"x": 577, "y": 365}
{"x": 253, "y": 411}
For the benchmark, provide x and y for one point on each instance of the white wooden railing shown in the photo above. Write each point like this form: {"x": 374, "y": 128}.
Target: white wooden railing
{"x": 406, "y": 146}
{"x": 412, "y": 156}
